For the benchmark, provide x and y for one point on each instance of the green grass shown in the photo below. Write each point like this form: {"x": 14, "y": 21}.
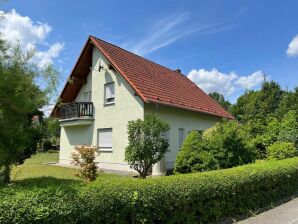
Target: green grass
{"x": 37, "y": 171}
{"x": 38, "y": 166}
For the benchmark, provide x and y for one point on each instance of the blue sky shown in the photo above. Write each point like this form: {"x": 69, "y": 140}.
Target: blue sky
{"x": 224, "y": 46}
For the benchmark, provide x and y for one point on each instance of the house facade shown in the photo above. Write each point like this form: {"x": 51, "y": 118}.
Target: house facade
{"x": 110, "y": 86}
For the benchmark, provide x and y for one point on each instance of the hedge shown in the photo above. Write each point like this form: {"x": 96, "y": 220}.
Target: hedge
{"x": 187, "y": 198}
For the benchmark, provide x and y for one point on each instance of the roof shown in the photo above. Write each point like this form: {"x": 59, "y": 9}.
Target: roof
{"x": 154, "y": 83}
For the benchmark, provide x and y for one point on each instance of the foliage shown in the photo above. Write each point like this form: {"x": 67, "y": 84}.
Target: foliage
{"x": 281, "y": 150}
{"x": 51, "y": 132}
{"x": 272, "y": 130}
{"x": 258, "y": 104}
{"x": 84, "y": 156}
{"x": 223, "y": 146}
{"x": 221, "y": 100}
{"x": 21, "y": 99}
{"x": 288, "y": 102}
{"x": 193, "y": 155}
{"x": 146, "y": 143}
{"x": 189, "y": 198}
{"x": 288, "y": 130}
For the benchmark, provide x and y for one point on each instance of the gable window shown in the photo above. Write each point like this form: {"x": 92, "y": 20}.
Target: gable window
{"x": 87, "y": 96}
{"x": 181, "y": 136}
{"x": 104, "y": 139}
{"x": 109, "y": 93}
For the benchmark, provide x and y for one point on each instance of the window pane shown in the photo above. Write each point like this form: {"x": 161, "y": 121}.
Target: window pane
{"x": 87, "y": 96}
{"x": 105, "y": 138}
{"x": 110, "y": 91}
{"x": 181, "y": 136}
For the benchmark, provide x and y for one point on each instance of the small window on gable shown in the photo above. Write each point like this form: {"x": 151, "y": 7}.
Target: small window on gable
{"x": 110, "y": 93}
{"x": 87, "y": 96}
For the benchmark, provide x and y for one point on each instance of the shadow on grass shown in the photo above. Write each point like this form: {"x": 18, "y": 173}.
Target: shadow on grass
{"x": 43, "y": 182}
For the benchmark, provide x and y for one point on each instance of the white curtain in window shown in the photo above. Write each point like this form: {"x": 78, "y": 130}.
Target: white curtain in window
{"x": 105, "y": 138}
{"x": 110, "y": 91}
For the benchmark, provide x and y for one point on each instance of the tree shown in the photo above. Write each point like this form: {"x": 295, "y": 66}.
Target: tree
{"x": 288, "y": 128}
{"x": 288, "y": 102}
{"x": 258, "y": 104}
{"x": 20, "y": 99}
{"x": 146, "y": 143}
{"x": 221, "y": 100}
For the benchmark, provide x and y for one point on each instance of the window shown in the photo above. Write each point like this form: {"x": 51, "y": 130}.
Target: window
{"x": 181, "y": 136}
{"x": 87, "y": 96}
{"x": 109, "y": 93}
{"x": 104, "y": 139}
{"x": 166, "y": 136}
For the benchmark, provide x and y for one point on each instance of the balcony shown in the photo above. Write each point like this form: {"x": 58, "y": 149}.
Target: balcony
{"x": 77, "y": 113}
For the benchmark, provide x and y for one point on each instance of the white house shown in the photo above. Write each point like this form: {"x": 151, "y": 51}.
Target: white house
{"x": 110, "y": 86}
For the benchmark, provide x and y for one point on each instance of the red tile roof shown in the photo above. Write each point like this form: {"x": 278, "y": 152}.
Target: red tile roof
{"x": 158, "y": 84}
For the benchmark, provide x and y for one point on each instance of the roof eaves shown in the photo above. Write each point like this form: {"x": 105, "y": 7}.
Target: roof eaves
{"x": 229, "y": 116}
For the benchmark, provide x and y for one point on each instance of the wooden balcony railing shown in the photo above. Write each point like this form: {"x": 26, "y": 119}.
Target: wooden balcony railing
{"x": 76, "y": 110}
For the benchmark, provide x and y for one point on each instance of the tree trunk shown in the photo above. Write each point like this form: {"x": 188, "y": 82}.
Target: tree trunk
{"x": 5, "y": 174}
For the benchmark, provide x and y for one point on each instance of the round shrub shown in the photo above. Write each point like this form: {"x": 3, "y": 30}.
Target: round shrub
{"x": 193, "y": 156}
{"x": 281, "y": 150}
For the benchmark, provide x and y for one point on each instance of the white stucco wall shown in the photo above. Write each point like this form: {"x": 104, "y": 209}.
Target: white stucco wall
{"x": 116, "y": 116}
{"x": 178, "y": 118}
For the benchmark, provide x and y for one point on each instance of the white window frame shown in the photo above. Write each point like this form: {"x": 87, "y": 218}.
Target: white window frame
{"x": 105, "y": 148}
{"x": 111, "y": 99}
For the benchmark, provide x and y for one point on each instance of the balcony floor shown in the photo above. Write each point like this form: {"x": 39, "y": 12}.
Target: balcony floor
{"x": 76, "y": 121}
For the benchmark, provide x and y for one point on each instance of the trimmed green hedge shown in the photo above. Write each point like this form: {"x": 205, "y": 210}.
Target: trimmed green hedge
{"x": 188, "y": 198}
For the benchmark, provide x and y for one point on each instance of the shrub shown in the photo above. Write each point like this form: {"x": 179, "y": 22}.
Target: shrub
{"x": 188, "y": 198}
{"x": 84, "y": 156}
{"x": 281, "y": 150}
{"x": 146, "y": 144}
{"x": 47, "y": 145}
{"x": 193, "y": 155}
{"x": 223, "y": 146}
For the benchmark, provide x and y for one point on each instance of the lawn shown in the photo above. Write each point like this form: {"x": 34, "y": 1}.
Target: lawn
{"x": 38, "y": 166}
{"x": 40, "y": 171}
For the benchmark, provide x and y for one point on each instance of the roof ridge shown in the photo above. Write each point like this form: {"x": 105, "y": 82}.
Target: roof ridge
{"x": 135, "y": 54}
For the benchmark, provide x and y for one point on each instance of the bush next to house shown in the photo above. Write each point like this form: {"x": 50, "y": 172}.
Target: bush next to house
{"x": 189, "y": 198}
{"x": 223, "y": 146}
{"x": 146, "y": 143}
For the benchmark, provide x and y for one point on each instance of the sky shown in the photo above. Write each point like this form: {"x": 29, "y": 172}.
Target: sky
{"x": 223, "y": 46}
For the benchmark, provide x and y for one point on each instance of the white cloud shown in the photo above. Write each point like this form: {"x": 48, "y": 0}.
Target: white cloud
{"x": 16, "y": 28}
{"x": 226, "y": 84}
{"x": 167, "y": 31}
{"x": 250, "y": 81}
{"x": 293, "y": 47}
{"x": 44, "y": 58}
